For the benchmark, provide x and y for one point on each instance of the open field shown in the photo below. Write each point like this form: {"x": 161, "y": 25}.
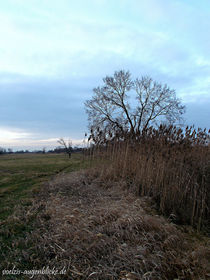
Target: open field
{"x": 21, "y": 178}
{"x": 21, "y": 174}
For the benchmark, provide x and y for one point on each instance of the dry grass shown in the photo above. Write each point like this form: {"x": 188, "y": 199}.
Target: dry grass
{"x": 98, "y": 229}
{"x": 170, "y": 165}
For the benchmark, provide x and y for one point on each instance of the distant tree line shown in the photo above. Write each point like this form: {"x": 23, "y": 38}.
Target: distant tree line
{"x": 56, "y": 150}
{"x": 5, "y": 151}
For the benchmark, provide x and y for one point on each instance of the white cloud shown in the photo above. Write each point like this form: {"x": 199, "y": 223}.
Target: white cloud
{"x": 16, "y": 139}
{"x": 8, "y": 134}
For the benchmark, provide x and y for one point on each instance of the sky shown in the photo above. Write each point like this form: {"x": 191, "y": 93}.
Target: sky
{"x": 53, "y": 53}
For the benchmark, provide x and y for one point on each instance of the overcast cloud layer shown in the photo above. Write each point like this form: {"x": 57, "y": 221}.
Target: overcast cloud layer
{"x": 54, "y": 52}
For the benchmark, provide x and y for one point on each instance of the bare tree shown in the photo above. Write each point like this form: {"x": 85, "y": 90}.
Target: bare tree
{"x": 110, "y": 109}
{"x": 67, "y": 145}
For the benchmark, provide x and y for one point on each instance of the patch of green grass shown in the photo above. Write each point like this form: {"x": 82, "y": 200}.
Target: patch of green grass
{"x": 21, "y": 177}
{"x": 20, "y": 174}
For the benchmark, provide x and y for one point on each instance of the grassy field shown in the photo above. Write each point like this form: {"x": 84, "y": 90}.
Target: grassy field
{"x": 22, "y": 174}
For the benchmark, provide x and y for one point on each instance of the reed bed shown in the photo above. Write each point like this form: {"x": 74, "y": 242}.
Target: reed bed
{"x": 169, "y": 164}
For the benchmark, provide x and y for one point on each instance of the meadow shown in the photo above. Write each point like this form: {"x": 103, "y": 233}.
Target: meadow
{"x": 22, "y": 174}
{"x": 21, "y": 177}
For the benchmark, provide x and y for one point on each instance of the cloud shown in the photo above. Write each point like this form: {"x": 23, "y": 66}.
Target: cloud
{"x": 51, "y": 108}
{"x": 198, "y": 113}
{"x": 20, "y": 142}
{"x": 13, "y": 134}
{"x": 53, "y": 53}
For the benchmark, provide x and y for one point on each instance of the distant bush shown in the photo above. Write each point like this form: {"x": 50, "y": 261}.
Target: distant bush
{"x": 2, "y": 151}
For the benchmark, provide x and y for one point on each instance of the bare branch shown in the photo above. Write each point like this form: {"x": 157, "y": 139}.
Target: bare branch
{"x": 109, "y": 107}
{"x": 66, "y": 145}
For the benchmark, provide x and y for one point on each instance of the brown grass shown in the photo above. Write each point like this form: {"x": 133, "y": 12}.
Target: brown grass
{"x": 98, "y": 229}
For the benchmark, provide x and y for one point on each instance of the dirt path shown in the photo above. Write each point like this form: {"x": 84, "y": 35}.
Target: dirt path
{"x": 99, "y": 230}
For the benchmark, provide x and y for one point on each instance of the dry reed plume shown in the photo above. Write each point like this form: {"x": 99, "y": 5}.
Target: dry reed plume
{"x": 169, "y": 164}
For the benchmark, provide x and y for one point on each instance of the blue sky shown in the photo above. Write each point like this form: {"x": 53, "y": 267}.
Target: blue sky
{"x": 53, "y": 53}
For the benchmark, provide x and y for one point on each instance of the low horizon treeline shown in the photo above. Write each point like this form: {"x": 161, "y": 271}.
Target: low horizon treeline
{"x": 169, "y": 164}
{"x": 40, "y": 151}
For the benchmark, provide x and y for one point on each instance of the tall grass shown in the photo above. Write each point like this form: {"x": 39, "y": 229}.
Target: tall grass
{"x": 169, "y": 164}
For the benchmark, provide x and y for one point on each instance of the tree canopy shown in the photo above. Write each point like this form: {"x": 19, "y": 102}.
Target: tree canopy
{"x": 112, "y": 109}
